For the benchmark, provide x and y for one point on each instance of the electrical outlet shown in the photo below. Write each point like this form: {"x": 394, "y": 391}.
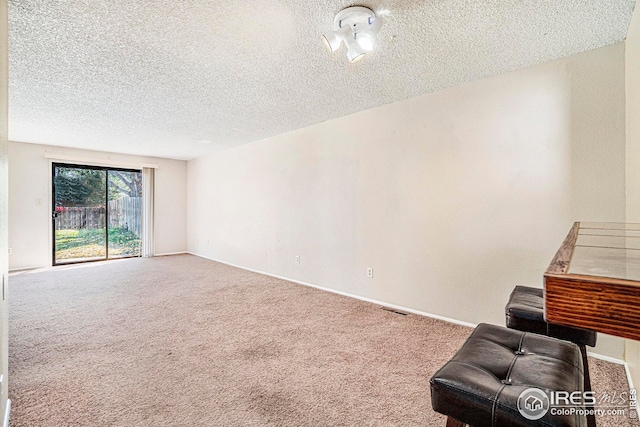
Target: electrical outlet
{"x": 369, "y": 272}
{"x": 297, "y": 259}
{"x": 10, "y": 251}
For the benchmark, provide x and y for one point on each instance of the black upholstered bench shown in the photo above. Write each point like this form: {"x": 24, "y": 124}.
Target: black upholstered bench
{"x": 482, "y": 384}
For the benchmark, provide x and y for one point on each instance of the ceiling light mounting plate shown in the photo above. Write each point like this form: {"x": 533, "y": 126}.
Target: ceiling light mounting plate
{"x": 353, "y": 16}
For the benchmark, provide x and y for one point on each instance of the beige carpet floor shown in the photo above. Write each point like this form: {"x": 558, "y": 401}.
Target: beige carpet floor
{"x": 183, "y": 341}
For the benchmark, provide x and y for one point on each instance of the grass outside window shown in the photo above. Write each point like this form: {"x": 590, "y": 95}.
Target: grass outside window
{"x": 90, "y": 243}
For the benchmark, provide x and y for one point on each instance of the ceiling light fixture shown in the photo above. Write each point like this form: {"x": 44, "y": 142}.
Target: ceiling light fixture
{"x": 357, "y": 27}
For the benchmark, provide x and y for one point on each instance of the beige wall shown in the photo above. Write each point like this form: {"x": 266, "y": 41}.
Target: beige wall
{"x": 4, "y": 202}
{"x": 452, "y": 197}
{"x": 30, "y": 201}
{"x": 633, "y": 155}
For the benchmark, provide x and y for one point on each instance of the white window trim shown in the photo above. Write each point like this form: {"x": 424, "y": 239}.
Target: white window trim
{"x": 99, "y": 162}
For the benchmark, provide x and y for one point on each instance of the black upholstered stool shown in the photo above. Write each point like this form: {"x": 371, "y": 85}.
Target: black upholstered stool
{"x": 482, "y": 383}
{"x": 525, "y": 312}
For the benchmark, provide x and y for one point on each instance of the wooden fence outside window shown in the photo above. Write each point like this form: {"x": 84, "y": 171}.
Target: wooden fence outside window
{"x": 124, "y": 213}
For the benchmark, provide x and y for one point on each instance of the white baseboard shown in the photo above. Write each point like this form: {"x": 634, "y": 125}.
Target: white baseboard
{"x": 173, "y": 253}
{"x": 629, "y": 378}
{"x": 606, "y": 358}
{"x": 18, "y": 270}
{"x": 7, "y": 414}
{"x": 346, "y": 294}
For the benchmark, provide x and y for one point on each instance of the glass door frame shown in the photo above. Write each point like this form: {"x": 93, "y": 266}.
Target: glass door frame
{"x": 106, "y": 169}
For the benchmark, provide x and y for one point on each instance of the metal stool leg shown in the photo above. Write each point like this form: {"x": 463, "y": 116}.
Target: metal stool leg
{"x": 591, "y": 419}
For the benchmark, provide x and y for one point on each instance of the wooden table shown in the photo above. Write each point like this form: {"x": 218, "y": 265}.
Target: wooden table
{"x": 593, "y": 281}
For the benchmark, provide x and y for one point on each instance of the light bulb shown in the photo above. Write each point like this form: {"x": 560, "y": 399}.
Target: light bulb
{"x": 354, "y": 51}
{"x": 366, "y": 40}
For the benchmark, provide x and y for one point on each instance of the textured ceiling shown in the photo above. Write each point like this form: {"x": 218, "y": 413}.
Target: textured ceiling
{"x": 155, "y": 77}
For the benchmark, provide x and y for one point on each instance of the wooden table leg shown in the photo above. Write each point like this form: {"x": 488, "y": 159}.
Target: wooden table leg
{"x": 452, "y": 422}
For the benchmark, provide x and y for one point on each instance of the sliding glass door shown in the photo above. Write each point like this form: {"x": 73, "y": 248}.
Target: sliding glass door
{"x": 124, "y": 213}
{"x": 97, "y": 213}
